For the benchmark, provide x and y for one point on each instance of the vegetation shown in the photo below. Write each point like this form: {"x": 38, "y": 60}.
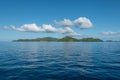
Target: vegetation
{"x": 37, "y": 39}
{"x": 47, "y": 39}
{"x": 91, "y": 40}
{"x": 65, "y": 39}
{"x": 68, "y": 39}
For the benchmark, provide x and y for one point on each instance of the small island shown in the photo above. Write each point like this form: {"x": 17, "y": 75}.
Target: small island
{"x": 64, "y": 39}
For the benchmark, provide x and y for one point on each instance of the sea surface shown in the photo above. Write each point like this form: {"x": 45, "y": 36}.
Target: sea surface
{"x": 59, "y": 60}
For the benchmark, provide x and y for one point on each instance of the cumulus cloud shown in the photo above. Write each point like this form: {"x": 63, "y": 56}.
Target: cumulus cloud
{"x": 74, "y": 34}
{"x": 34, "y": 28}
{"x": 44, "y": 28}
{"x": 48, "y": 28}
{"x": 81, "y": 22}
{"x": 28, "y": 27}
{"x": 65, "y": 23}
{"x": 68, "y": 31}
{"x": 110, "y": 33}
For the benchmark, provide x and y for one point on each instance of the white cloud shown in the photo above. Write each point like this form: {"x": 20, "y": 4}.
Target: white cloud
{"x": 44, "y": 28}
{"x": 65, "y": 23}
{"x": 28, "y": 28}
{"x": 74, "y": 34}
{"x": 83, "y": 23}
{"x": 68, "y": 31}
{"x": 48, "y": 28}
{"x": 110, "y": 33}
{"x": 35, "y": 28}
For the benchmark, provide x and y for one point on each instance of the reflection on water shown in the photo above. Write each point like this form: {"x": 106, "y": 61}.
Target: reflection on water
{"x": 59, "y": 61}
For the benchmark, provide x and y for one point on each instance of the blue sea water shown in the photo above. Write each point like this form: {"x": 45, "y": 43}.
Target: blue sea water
{"x": 59, "y": 60}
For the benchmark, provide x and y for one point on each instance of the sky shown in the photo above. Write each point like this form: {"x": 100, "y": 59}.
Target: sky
{"x": 59, "y": 18}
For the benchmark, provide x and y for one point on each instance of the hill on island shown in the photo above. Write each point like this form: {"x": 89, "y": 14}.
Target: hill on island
{"x": 64, "y": 39}
{"x": 90, "y": 40}
{"x": 68, "y": 39}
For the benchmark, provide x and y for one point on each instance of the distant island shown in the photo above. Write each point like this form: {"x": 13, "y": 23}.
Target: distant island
{"x": 64, "y": 39}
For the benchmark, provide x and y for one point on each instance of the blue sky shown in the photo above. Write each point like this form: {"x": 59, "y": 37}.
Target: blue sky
{"x": 104, "y": 15}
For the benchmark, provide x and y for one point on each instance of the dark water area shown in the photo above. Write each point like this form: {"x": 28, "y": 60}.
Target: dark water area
{"x": 59, "y": 60}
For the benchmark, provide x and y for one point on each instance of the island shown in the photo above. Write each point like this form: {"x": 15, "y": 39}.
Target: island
{"x": 64, "y": 39}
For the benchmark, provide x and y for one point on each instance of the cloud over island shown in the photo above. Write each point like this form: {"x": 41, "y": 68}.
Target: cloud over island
{"x": 66, "y": 27}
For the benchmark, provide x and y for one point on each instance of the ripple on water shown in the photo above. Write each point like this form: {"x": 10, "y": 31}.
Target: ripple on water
{"x": 59, "y": 61}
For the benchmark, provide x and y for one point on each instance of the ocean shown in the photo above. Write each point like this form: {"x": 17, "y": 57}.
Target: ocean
{"x": 59, "y": 60}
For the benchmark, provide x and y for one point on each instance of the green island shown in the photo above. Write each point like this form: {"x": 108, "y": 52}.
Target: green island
{"x": 64, "y": 39}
